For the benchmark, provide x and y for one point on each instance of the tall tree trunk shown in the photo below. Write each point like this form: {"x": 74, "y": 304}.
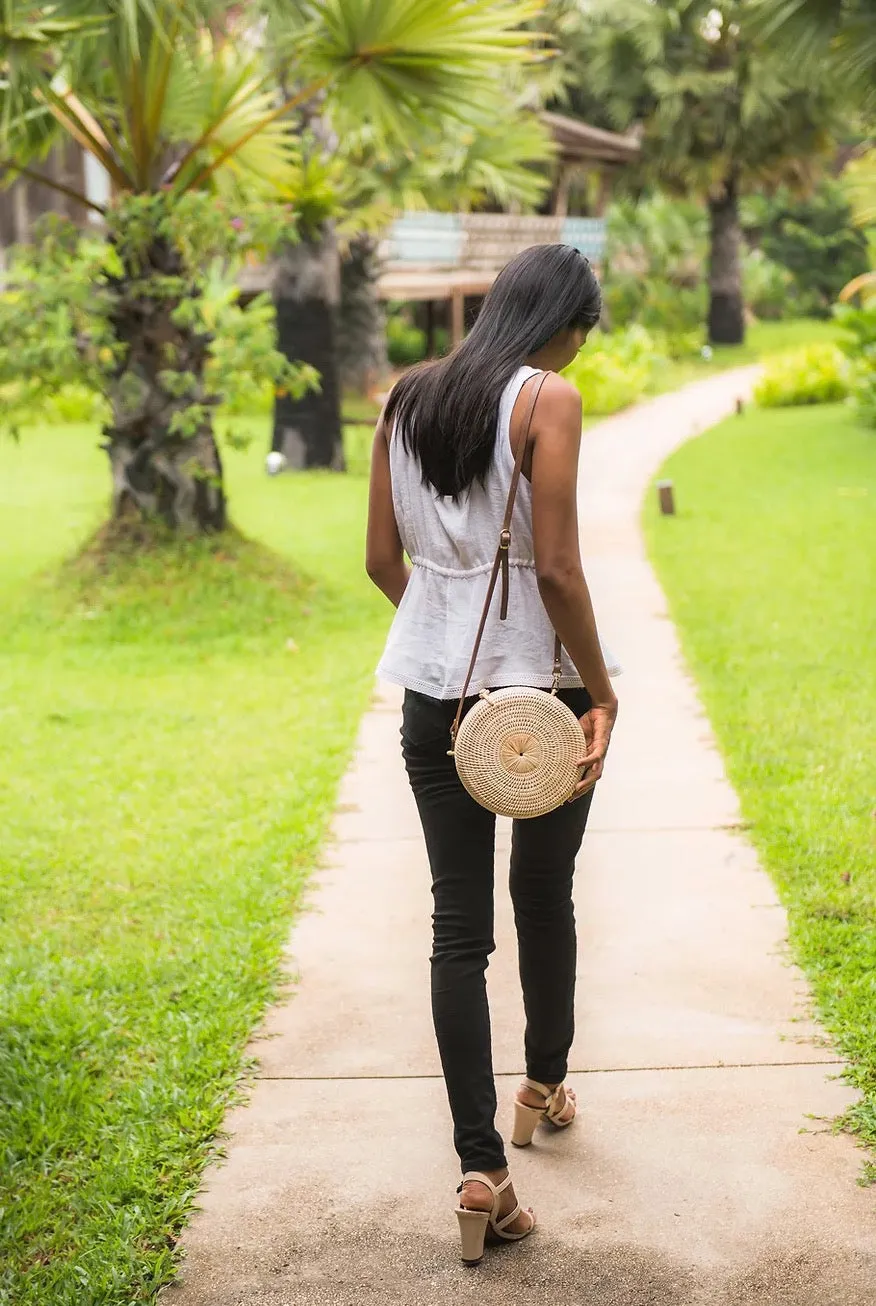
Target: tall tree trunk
{"x": 362, "y": 323}
{"x": 726, "y": 308}
{"x": 175, "y": 481}
{"x": 307, "y": 431}
{"x": 163, "y": 456}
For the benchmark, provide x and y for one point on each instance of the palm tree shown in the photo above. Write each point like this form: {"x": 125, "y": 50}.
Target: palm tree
{"x": 324, "y": 284}
{"x": 723, "y": 111}
{"x": 175, "y": 98}
{"x": 843, "y": 32}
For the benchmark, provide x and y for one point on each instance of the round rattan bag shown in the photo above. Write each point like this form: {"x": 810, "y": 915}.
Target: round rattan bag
{"x": 517, "y": 751}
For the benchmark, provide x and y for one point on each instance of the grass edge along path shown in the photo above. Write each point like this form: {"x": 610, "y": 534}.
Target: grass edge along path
{"x": 173, "y": 727}
{"x": 770, "y": 577}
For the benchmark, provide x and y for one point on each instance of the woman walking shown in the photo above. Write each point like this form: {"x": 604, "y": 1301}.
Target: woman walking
{"x": 442, "y": 466}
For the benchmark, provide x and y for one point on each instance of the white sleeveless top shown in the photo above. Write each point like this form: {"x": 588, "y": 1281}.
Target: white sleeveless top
{"x": 451, "y": 546}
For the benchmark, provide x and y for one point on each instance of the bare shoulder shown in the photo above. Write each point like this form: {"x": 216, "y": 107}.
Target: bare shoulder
{"x": 559, "y": 404}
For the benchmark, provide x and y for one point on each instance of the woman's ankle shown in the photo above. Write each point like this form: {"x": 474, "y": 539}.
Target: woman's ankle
{"x": 494, "y": 1175}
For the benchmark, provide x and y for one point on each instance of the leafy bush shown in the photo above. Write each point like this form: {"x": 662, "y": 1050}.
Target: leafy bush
{"x": 61, "y": 358}
{"x": 68, "y": 405}
{"x": 813, "y": 237}
{"x": 251, "y": 401}
{"x": 859, "y": 345}
{"x": 768, "y": 287}
{"x": 76, "y": 405}
{"x": 405, "y": 343}
{"x": 680, "y": 344}
{"x": 655, "y": 254}
{"x": 613, "y": 370}
{"x": 816, "y": 374}
{"x": 657, "y": 304}
{"x": 662, "y": 237}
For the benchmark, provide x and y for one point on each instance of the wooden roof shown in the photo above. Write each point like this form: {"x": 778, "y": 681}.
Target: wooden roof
{"x": 579, "y": 142}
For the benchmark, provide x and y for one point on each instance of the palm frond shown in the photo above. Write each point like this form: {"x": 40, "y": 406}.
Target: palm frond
{"x": 220, "y": 104}
{"x": 805, "y": 23}
{"x": 494, "y": 160}
{"x": 77, "y": 120}
{"x": 864, "y": 285}
{"x": 812, "y": 31}
{"x": 859, "y": 183}
{"x": 29, "y": 55}
{"x": 390, "y": 60}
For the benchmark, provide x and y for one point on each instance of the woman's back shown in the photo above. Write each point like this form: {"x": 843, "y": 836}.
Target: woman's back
{"x": 451, "y": 543}
{"x": 460, "y": 534}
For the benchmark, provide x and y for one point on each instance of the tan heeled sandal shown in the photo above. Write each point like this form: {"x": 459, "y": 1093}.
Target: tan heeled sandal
{"x": 527, "y": 1117}
{"x": 475, "y": 1225}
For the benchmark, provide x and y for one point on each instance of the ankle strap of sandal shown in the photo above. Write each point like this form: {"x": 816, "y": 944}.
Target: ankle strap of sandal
{"x": 475, "y": 1177}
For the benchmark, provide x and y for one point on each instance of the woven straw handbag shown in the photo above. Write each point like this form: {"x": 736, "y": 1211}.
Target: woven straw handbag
{"x": 517, "y": 749}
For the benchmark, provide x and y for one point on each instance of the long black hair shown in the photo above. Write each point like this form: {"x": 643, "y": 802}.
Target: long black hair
{"x": 446, "y": 411}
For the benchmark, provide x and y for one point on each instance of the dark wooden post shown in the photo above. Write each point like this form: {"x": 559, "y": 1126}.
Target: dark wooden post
{"x": 561, "y": 192}
{"x": 430, "y": 328}
{"x": 457, "y": 317}
{"x": 667, "y": 498}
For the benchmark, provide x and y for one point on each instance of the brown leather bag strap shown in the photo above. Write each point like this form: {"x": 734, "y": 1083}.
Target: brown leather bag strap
{"x": 505, "y": 533}
{"x": 500, "y": 562}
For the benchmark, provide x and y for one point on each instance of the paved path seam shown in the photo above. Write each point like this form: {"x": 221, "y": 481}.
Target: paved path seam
{"x": 573, "y": 1070}
{"x": 741, "y": 826}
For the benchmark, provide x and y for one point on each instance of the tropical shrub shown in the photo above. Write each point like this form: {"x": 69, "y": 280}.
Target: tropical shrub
{"x": 655, "y": 253}
{"x": 659, "y": 305}
{"x": 405, "y": 342}
{"x": 614, "y": 370}
{"x": 814, "y": 237}
{"x": 60, "y": 355}
{"x": 69, "y": 405}
{"x": 667, "y": 238}
{"x": 816, "y": 374}
{"x": 768, "y": 286}
{"x": 859, "y": 345}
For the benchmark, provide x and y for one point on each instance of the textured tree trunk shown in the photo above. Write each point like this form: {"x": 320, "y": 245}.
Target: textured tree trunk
{"x": 726, "y": 308}
{"x": 362, "y": 324}
{"x": 307, "y": 431}
{"x": 158, "y": 472}
{"x": 177, "y": 482}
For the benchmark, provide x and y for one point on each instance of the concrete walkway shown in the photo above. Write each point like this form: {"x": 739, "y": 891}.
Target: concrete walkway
{"x": 702, "y": 1171}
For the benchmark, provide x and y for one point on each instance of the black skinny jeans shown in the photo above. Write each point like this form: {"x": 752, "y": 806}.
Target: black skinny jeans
{"x": 460, "y": 839}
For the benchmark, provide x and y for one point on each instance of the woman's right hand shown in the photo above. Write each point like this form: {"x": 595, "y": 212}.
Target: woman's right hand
{"x": 597, "y": 725}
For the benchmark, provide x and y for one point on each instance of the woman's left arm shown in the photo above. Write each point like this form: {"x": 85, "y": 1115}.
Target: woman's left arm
{"x": 384, "y": 554}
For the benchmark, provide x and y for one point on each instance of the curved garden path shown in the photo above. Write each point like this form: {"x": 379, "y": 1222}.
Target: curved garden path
{"x": 702, "y": 1171}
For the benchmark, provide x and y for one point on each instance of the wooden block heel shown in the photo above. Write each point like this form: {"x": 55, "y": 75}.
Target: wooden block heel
{"x": 473, "y": 1227}
{"x": 525, "y": 1120}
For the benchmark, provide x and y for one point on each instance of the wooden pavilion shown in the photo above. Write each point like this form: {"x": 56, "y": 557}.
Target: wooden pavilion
{"x": 436, "y": 257}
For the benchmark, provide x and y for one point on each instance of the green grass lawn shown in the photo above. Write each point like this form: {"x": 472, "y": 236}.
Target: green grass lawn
{"x": 770, "y": 569}
{"x": 172, "y": 730}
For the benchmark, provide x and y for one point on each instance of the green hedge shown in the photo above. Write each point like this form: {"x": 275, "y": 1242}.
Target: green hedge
{"x": 815, "y": 374}
{"x": 613, "y": 371}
